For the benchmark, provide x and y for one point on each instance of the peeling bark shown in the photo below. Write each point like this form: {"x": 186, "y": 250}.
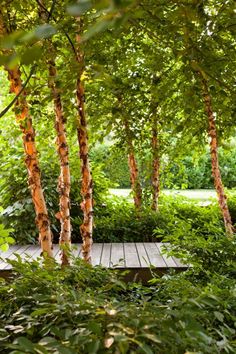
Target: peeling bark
{"x": 155, "y": 165}
{"x": 86, "y": 228}
{"x": 222, "y": 199}
{"x": 134, "y": 180}
{"x": 34, "y": 176}
{"x": 133, "y": 170}
{"x": 64, "y": 178}
{"x": 63, "y": 152}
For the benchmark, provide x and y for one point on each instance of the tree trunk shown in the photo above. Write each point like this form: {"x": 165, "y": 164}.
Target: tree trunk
{"x": 86, "y": 228}
{"x": 31, "y": 159}
{"x": 222, "y": 199}
{"x": 64, "y": 178}
{"x": 63, "y": 152}
{"x": 155, "y": 165}
{"x": 133, "y": 170}
{"x": 134, "y": 180}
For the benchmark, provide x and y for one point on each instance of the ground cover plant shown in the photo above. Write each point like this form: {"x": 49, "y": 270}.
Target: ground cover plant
{"x": 80, "y": 309}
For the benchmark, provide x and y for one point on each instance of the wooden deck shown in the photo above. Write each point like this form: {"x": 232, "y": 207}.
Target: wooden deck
{"x": 111, "y": 255}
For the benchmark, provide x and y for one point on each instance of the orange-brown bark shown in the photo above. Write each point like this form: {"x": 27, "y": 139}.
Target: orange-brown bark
{"x": 222, "y": 199}
{"x": 31, "y": 159}
{"x": 134, "y": 180}
{"x": 64, "y": 178}
{"x": 133, "y": 169}
{"x": 63, "y": 151}
{"x": 155, "y": 166}
{"x": 86, "y": 228}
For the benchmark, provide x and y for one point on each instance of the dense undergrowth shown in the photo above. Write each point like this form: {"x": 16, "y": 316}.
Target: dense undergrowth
{"x": 119, "y": 221}
{"x": 116, "y": 220}
{"x": 80, "y": 309}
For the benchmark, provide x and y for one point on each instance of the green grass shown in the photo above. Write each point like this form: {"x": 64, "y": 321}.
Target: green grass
{"x": 202, "y": 194}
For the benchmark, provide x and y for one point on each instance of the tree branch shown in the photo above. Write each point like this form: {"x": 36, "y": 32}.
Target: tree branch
{"x": 50, "y": 15}
{"x": 6, "y": 109}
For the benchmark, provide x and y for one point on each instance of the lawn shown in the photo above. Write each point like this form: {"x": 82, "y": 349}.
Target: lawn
{"x": 202, "y": 194}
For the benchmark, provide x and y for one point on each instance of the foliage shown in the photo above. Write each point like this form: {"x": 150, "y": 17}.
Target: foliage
{"x": 80, "y": 309}
{"x": 177, "y": 172}
{"x": 194, "y": 171}
{"x": 117, "y": 221}
{"x": 114, "y": 164}
{"x": 5, "y": 238}
{"x": 115, "y": 217}
{"x": 19, "y": 212}
{"x": 133, "y": 69}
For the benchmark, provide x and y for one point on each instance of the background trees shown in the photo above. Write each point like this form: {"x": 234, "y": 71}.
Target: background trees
{"x": 139, "y": 66}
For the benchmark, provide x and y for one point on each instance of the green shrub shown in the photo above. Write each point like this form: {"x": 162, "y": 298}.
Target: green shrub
{"x": 5, "y": 238}
{"x": 118, "y": 221}
{"x": 232, "y": 205}
{"x": 17, "y": 208}
{"x": 80, "y": 309}
{"x": 114, "y": 162}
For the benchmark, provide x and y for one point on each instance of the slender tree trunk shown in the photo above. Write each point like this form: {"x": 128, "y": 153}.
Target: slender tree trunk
{"x": 86, "y": 228}
{"x": 133, "y": 170}
{"x": 64, "y": 178}
{"x": 222, "y": 199}
{"x": 134, "y": 180}
{"x": 31, "y": 159}
{"x": 63, "y": 152}
{"x": 155, "y": 165}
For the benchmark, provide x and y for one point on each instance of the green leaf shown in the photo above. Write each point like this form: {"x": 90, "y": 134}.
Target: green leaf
{"x": 9, "y": 41}
{"x": 45, "y": 31}
{"x": 4, "y": 247}
{"x": 98, "y": 27}
{"x": 79, "y": 8}
{"x": 10, "y": 240}
{"x": 93, "y": 347}
{"x": 219, "y": 316}
{"x": 146, "y": 349}
{"x": 25, "y": 343}
{"x": 151, "y": 337}
{"x": 31, "y": 54}
{"x": 95, "y": 328}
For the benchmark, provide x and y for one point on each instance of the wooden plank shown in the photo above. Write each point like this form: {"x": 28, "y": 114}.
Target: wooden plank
{"x": 28, "y": 253}
{"x": 13, "y": 257}
{"x": 177, "y": 261}
{"x": 142, "y": 254}
{"x": 36, "y": 251}
{"x": 56, "y": 253}
{"x": 31, "y": 252}
{"x": 169, "y": 260}
{"x": 179, "y": 264}
{"x": 106, "y": 255}
{"x": 76, "y": 249}
{"x": 120, "y": 255}
{"x": 7, "y": 254}
{"x": 96, "y": 253}
{"x": 117, "y": 255}
{"x": 131, "y": 255}
{"x": 154, "y": 256}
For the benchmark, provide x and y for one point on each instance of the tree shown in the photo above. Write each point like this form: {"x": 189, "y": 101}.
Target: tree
{"x": 31, "y": 160}
{"x": 87, "y": 184}
{"x": 62, "y": 146}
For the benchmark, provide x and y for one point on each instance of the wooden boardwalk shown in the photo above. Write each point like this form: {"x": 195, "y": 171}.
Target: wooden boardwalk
{"x": 130, "y": 255}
